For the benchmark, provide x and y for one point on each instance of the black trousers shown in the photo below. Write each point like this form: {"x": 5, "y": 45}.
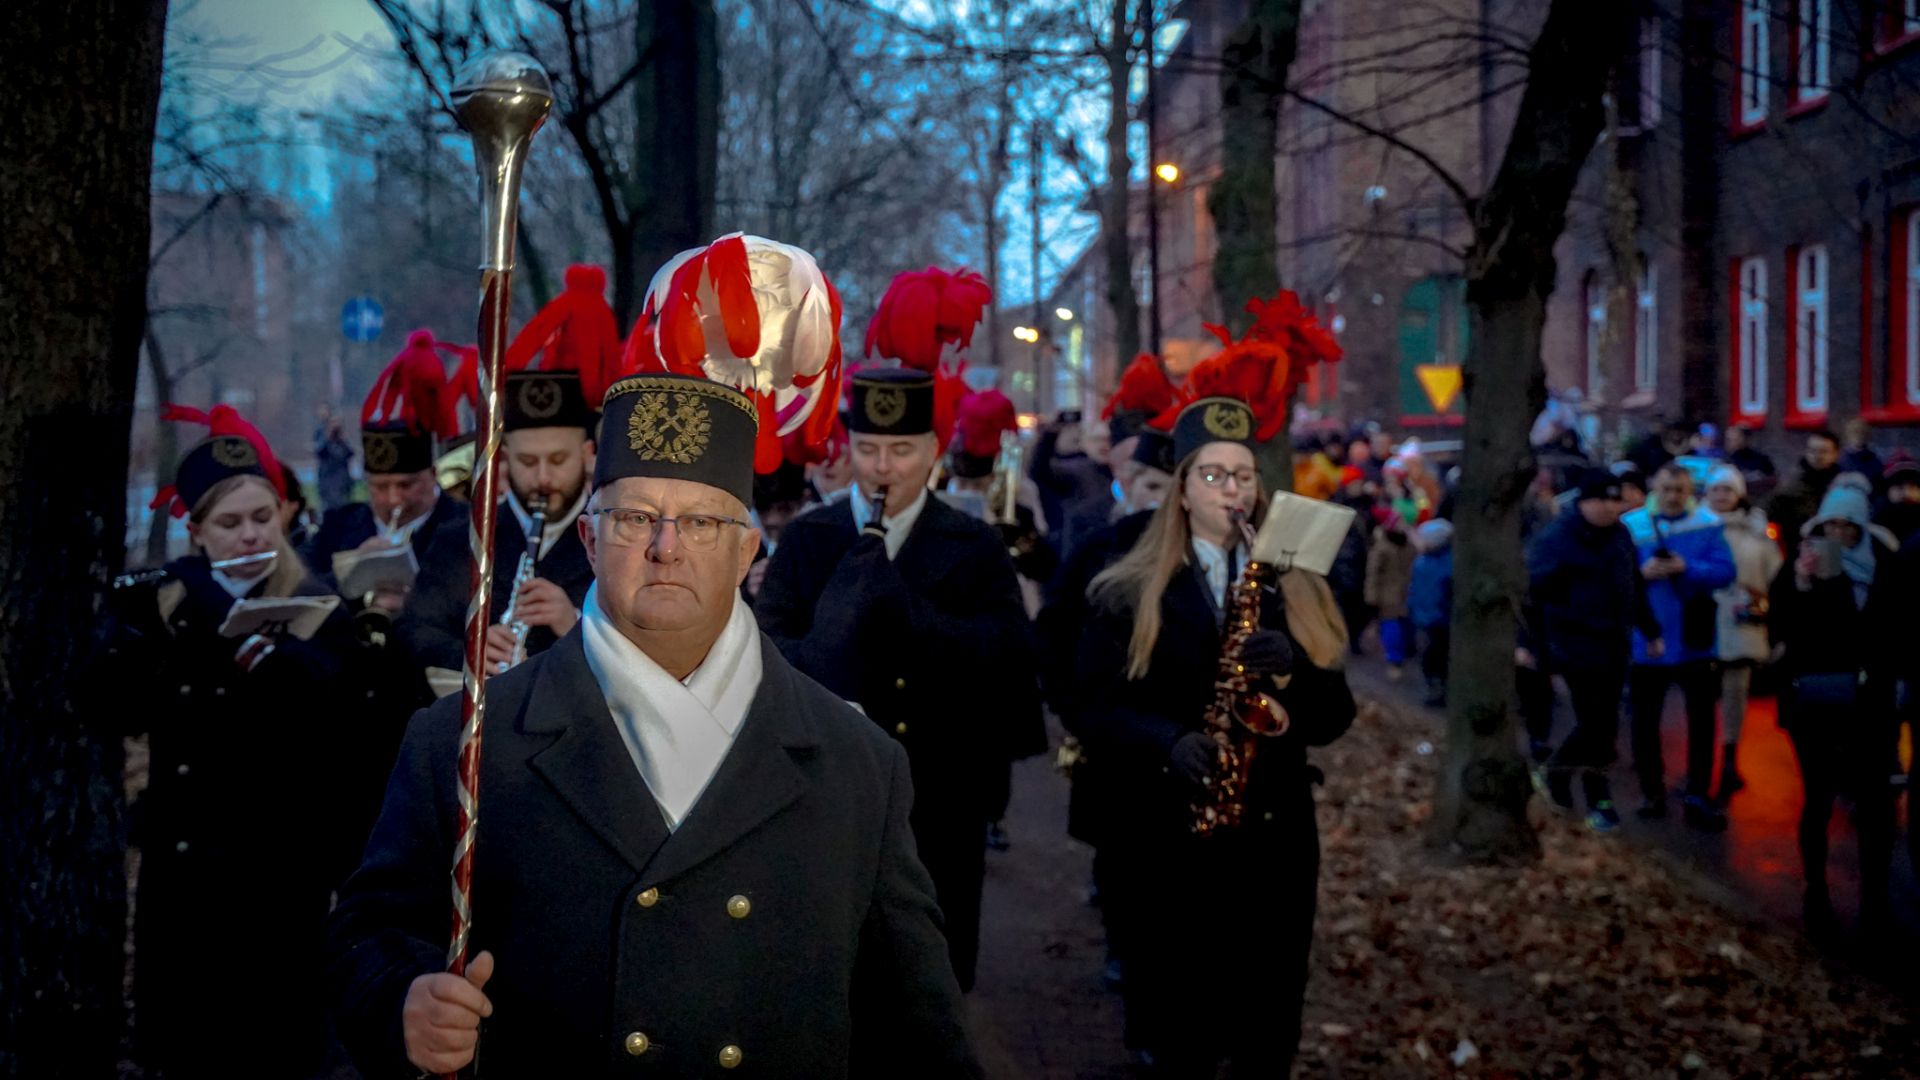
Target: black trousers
{"x": 1647, "y": 693}
{"x": 1591, "y": 746}
{"x": 1204, "y": 987}
{"x": 954, "y": 850}
{"x": 1433, "y": 662}
{"x": 1845, "y": 752}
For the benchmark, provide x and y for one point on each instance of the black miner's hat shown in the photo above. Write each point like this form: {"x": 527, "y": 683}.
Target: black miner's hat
{"x": 892, "y": 401}
{"x": 678, "y": 427}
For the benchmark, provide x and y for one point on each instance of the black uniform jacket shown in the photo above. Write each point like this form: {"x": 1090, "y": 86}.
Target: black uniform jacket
{"x": 934, "y": 645}
{"x": 347, "y": 527}
{"x": 1131, "y": 725}
{"x": 247, "y": 818}
{"x": 787, "y": 917}
{"x": 435, "y": 622}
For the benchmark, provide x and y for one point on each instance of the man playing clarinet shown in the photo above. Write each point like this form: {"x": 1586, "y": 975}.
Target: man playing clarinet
{"x": 693, "y": 857}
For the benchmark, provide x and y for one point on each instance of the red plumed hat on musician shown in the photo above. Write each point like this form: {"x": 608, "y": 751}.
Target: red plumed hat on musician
{"x": 984, "y": 418}
{"x": 233, "y": 447}
{"x": 559, "y": 365}
{"x": 1145, "y": 392}
{"x": 409, "y": 406}
{"x": 1242, "y": 393}
{"x": 925, "y": 321}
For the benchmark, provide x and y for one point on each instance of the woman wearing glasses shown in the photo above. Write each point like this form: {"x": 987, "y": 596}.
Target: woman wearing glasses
{"x": 1214, "y": 929}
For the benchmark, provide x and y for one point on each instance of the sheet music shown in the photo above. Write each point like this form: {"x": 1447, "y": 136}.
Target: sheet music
{"x": 299, "y": 616}
{"x": 1302, "y": 533}
{"x": 361, "y": 572}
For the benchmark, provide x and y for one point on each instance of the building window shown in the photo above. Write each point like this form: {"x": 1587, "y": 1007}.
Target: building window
{"x": 1753, "y": 59}
{"x": 1808, "y": 358}
{"x": 1750, "y": 337}
{"x": 1595, "y": 298}
{"x": 1909, "y": 295}
{"x": 1812, "y": 35}
{"x": 1646, "y": 332}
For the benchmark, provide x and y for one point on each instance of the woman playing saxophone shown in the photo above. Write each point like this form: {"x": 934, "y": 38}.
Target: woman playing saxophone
{"x": 1204, "y": 688}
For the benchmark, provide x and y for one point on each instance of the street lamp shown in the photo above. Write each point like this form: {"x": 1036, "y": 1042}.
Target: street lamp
{"x": 1168, "y": 172}
{"x": 1063, "y": 314}
{"x": 1027, "y": 334}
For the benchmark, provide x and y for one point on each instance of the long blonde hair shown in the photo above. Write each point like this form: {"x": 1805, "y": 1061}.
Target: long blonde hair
{"x": 1138, "y": 581}
{"x": 288, "y": 571}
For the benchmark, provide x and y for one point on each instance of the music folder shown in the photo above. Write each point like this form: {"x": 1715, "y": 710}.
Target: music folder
{"x": 1302, "y": 533}
{"x": 298, "y": 616}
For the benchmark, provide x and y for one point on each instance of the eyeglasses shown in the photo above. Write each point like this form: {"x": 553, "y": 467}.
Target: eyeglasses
{"x": 1217, "y": 475}
{"x": 636, "y": 528}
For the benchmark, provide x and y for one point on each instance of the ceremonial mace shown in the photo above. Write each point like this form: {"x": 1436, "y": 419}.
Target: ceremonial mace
{"x": 501, "y": 99}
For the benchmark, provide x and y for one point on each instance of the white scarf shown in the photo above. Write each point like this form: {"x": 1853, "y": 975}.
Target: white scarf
{"x": 677, "y": 733}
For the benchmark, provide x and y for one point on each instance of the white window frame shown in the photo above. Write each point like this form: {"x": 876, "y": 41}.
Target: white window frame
{"x": 1650, "y": 70}
{"x": 1752, "y": 340}
{"x": 1594, "y": 294}
{"x": 1646, "y": 330}
{"x": 1811, "y": 330}
{"x": 1911, "y": 22}
{"x": 1756, "y": 59}
{"x": 1913, "y": 301}
{"x": 1814, "y": 76}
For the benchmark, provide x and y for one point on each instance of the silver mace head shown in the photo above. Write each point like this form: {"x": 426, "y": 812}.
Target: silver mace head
{"x": 501, "y": 99}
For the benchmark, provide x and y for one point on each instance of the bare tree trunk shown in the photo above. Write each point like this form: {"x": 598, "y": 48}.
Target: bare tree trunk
{"x": 1510, "y": 274}
{"x": 80, "y": 99}
{"x": 166, "y": 444}
{"x": 1246, "y": 256}
{"x": 1116, "y": 221}
{"x": 677, "y": 146}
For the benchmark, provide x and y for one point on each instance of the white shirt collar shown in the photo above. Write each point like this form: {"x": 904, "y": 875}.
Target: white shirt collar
{"x": 1213, "y": 563}
{"x": 403, "y": 532}
{"x": 556, "y": 526}
{"x": 236, "y": 587}
{"x": 898, "y": 525}
{"x": 677, "y": 732}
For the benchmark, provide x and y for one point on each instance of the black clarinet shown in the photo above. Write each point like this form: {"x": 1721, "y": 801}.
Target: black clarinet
{"x": 875, "y": 527}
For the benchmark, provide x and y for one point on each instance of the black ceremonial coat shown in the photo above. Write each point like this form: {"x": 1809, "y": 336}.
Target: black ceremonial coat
{"x": 1168, "y": 885}
{"x": 786, "y": 917}
{"x": 345, "y": 528}
{"x": 435, "y": 623}
{"x": 952, "y": 677}
{"x": 244, "y": 827}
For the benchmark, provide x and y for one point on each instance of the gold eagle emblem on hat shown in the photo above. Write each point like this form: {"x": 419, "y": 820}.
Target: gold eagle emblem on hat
{"x": 669, "y": 426}
{"x": 886, "y": 405}
{"x": 383, "y": 452}
{"x": 235, "y": 453}
{"x": 539, "y": 398}
{"x": 1227, "y": 420}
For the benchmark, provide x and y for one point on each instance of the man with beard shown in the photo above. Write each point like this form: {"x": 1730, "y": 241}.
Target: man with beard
{"x": 549, "y": 458}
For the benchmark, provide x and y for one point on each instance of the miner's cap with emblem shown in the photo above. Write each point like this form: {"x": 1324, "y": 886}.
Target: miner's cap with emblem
{"x": 233, "y": 447}
{"x": 409, "y": 404}
{"x": 892, "y": 401}
{"x": 543, "y": 399}
{"x": 678, "y": 427}
{"x": 1211, "y": 420}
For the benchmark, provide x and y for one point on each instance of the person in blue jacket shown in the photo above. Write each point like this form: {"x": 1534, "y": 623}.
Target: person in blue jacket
{"x": 1684, "y": 559}
{"x": 1430, "y": 603}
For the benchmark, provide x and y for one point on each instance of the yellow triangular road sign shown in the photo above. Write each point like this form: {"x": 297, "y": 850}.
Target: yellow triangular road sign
{"x": 1441, "y": 382}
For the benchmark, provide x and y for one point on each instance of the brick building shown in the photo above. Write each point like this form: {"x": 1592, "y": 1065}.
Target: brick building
{"x": 1744, "y": 247}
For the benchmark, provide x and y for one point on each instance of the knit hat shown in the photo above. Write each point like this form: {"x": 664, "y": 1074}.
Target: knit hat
{"x": 1435, "y": 535}
{"x": 1598, "y": 484}
{"x": 1902, "y": 468}
{"x": 1730, "y": 476}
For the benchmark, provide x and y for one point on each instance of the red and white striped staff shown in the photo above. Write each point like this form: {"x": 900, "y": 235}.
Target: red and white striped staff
{"x": 501, "y": 99}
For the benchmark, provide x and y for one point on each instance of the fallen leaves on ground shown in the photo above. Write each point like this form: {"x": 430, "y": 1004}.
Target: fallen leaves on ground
{"x": 1594, "y": 961}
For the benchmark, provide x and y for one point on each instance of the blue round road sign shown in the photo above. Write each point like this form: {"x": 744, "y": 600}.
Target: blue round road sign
{"x": 361, "y": 318}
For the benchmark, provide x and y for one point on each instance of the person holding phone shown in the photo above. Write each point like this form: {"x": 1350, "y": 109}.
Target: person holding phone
{"x": 1834, "y": 623}
{"x": 1684, "y": 560}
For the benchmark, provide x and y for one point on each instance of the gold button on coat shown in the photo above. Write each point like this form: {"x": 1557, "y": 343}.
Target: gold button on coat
{"x": 729, "y": 1057}
{"x": 648, "y": 898}
{"x": 900, "y": 728}
{"x": 739, "y": 907}
{"x": 637, "y": 1043}
{"x": 899, "y": 684}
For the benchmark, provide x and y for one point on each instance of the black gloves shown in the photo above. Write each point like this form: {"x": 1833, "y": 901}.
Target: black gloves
{"x": 1194, "y": 756}
{"x": 1266, "y": 652}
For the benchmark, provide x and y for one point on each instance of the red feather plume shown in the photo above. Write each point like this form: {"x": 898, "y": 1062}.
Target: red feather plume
{"x": 1144, "y": 387}
{"x": 924, "y": 311}
{"x": 982, "y": 419}
{"x": 413, "y": 390}
{"x": 575, "y": 332}
{"x": 221, "y": 421}
{"x": 1264, "y": 367}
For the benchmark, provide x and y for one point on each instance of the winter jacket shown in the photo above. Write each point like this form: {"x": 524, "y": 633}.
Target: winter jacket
{"x": 1430, "y": 599}
{"x": 1389, "y": 573}
{"x": 1585, "y": 597}
{"x": 1742, "y": 625}
{"x": 1684, "y": 605}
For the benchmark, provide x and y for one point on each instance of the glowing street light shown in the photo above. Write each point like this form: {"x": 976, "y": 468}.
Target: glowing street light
{"x": 1063, "y": 314}
{"x": 1027, "y": 334}
{"x": 1167, "y": 171}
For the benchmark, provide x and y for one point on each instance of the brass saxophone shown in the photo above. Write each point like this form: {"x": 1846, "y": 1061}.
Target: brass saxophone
{"x": 1239, "y": 716}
